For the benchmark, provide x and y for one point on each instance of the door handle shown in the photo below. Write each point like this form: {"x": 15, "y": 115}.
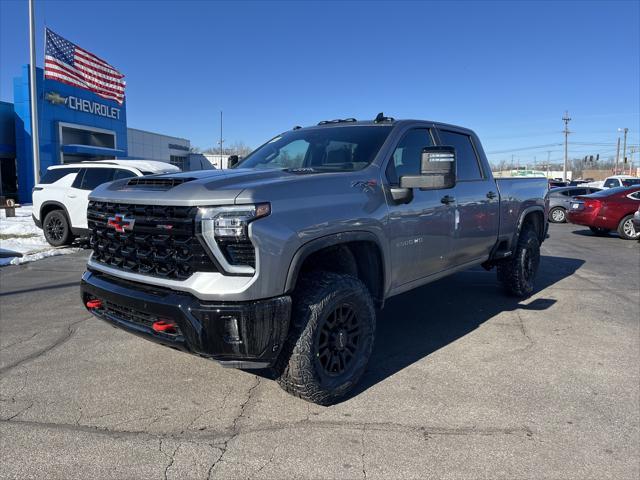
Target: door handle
{"x": 71, "y": 196}
{"x": 447, "y": 199}
{"x": 492, "y": 195}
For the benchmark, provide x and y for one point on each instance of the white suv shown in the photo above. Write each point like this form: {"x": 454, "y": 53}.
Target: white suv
{"x": 60, "y": 199}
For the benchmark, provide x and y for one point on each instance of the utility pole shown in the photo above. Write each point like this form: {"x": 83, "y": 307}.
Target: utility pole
{"x": 624, "y": 148}
{"x": 632, "y": 150}
{"x": 35, "y": 141}
{"x": 615, "y": 170}
{"x": 548, "y": 161}
{"x": 566, "y": 119}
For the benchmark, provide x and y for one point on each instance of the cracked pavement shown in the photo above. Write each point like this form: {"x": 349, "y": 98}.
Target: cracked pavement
{"x": 463, "y": 382}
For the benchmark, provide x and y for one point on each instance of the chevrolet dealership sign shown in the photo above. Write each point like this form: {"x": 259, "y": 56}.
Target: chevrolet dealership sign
{"x": 83, "y": 105}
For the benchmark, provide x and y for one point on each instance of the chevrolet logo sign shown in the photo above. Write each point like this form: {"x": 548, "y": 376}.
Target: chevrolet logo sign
{"x": 120, "y": 223}
{"x": 55, "y": 98}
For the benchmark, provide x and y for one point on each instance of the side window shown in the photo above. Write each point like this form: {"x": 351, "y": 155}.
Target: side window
{"x": 635, "y": 196}
{"x": 612, "y": 182}
{"x": 467, "y": 167}
{"x": 577, "y": 191}
{"x": 120, "y": 173}
{"x": 564, "y": 193}
{"x": 407, "y": 156}
{"x": 96, "y": 176}
{"x": 77, "y": 183}
{"x": 56, "y": 174}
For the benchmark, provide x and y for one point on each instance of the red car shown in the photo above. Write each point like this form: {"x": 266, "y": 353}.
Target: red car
{"x": 607, "y": 210}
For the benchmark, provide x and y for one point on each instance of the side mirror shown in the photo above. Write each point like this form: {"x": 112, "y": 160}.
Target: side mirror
{"x": 437, "y": 168}
{"x": 232, "y": 161}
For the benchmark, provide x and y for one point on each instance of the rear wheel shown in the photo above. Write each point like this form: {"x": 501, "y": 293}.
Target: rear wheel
{"x": 626, "y": 228}
{"x": 331, "y": 338}
{"x": 601, "y": 232}
{"x": 518, "y": 272}
{"x": 56, "y": 228}
{"x": 558, "y": 215}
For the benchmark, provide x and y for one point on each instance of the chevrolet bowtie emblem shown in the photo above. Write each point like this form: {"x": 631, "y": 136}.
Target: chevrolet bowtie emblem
{"x": 55, "y": 98}
{"x": 120, "y": 223}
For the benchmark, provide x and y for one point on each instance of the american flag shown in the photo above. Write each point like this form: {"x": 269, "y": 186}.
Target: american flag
{"x": 70, "y": 64}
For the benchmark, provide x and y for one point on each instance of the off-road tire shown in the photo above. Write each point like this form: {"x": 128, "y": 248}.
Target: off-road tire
{"x": 317, "y": 298}
{"x": 626, "y": 229}
{"x": 518, "y": 272}
{"x": 56, "y": 228}
{"x": 558, "y": 215}
{"x": 599, "y": 231}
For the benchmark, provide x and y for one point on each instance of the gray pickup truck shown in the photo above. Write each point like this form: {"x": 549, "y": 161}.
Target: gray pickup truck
{"x": 281, "y": 262}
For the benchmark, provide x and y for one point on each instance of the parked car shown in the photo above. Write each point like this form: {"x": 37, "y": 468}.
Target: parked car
{"x": 574, "y": 183}
{"x": 560, "y": 200}
{"x": 283, "y": 260}
{"x": 607, "y": 210}
{"x": 616, "y": 181}
{"x": 60, "y": 199}
{"x": 557, "y": 183}
{"x": 636, "y": 221}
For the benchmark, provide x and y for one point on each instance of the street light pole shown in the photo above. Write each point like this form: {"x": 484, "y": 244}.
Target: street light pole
{"x": 35, "y": 141}
{"x": 615, "y": 170}
{"x": 566, "y": 119}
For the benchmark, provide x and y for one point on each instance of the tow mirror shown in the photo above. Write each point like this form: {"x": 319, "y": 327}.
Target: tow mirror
{"x": 437, "y": 168}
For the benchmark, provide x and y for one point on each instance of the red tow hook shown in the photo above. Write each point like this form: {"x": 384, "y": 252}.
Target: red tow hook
{"x": 164, "y": 326}
{"x": 95, "y": 303}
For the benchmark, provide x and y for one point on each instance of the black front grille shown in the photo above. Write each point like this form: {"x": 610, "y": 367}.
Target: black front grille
{"x": 120, "y": 312}
{"x": 161, "y": 243}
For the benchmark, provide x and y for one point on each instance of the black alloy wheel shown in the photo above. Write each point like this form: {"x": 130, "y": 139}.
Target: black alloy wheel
{"x": 56, "y": 229}
{"x": 338, "y": 340}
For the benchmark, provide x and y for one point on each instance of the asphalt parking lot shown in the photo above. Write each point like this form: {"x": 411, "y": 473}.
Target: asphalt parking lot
{"x": 464, "y": 382}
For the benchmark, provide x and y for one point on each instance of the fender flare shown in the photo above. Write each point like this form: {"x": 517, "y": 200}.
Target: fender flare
{"x": 331, "y": 240}
{"x": 57, "y": 204}
{"x": 523, "y": 214}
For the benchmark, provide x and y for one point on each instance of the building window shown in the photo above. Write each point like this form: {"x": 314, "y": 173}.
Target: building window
{"x": 178, "y": 161}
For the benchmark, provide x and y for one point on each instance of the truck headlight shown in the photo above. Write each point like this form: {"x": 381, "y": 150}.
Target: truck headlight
{"x": 225, "y": 230}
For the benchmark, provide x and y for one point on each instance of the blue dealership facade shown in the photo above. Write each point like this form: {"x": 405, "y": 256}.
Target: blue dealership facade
{"x": 75, "y": 125}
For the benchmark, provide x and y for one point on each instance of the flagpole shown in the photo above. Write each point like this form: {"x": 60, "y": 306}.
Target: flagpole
{"x": 35, "y": 141}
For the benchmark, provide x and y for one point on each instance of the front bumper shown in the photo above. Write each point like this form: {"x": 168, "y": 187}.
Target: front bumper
{"x": 237, "y": 334}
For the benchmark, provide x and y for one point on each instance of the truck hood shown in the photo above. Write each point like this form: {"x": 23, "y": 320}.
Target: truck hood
{"x": 212, "y": 187}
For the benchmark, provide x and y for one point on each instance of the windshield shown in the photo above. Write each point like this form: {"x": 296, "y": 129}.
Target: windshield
{"x": 326, "y": 149}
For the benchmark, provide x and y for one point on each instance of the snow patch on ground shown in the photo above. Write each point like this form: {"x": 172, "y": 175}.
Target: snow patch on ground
{"x": 20, "y": 234}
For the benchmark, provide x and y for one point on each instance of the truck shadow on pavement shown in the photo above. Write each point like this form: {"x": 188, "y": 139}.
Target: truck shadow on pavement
{"x": 417, "y": 323}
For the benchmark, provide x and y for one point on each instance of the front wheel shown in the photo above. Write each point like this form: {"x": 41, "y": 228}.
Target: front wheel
{"x": 626, "y": 229}
{"x": 56, "y": 228}
{"x": 331, "y": 338}
{"x": 518, "y": 272}
{"x": 558, "y": 215}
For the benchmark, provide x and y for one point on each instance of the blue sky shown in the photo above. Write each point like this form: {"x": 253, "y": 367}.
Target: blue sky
{"x": 508, "y": 70}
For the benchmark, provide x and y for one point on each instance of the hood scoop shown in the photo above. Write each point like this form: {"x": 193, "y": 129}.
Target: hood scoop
{"x": 158, "y": 183}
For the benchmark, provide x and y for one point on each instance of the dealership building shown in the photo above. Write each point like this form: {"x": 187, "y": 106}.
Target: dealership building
{"x": 75, "y": 125}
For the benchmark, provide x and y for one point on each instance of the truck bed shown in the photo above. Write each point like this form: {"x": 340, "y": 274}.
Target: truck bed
{"x": 518, "y": 194}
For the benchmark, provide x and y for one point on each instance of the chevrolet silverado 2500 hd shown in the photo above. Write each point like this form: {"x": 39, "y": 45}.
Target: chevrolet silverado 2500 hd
{"x": 282, "y": 261}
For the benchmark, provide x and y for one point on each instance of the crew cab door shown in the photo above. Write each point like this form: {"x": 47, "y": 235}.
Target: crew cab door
{"x": 419, "y": 231}
{"x": 476, "y": 207}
